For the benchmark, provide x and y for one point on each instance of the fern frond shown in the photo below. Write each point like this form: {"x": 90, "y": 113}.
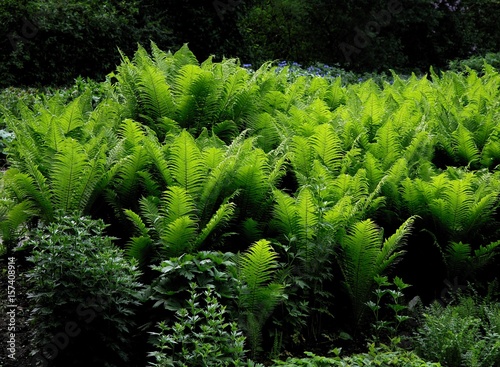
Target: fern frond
{"x": 187, "y": 166}
{"x": 301, "y": 156}
{"x": 158, "y": 158}
{"x": 177, "y": 237}
{"x": 176, "y": 203}
{"x": 150, "y": 211}
{"x": 139, "y": 248}
{"x": 390, "y": 251}
{"x": 453, "y": 212}
{"x": 485, "y": 254}
{"x": 155, "y": 95}
{"x": 387, "y": 148}
{"x": 13, "y": 217}
{"x": 481, "y": 212}
{"x": 184, "y": 56}
{"x": 307, "y": 214}
{"x": 252, "y": 178}
{"x": 359, "y": 252}
{"x": 327, "y": 146}
{"x": 127, "y": 179}
{"x": 72, "y": 116}
{"x": 457, "y": 257}
{"x": 258, "y": 263}
{"x": 220, "y": 218}
{"x": 91, "y": 185}
{"x": 137, "y": 221}
{"x": 466, "y": 148}
{"x": 66, "y": 174}
{"x": 131, "y": 133}
{"x": 286, "y": 218}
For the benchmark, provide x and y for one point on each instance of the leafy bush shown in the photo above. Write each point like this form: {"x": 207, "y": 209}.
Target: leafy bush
{"x": 201, "y": 337}
{"x": 84, "y": 294}
{"x": 212, "y": 156}
{"x": 477, "y": 63}
{"x": 83, "y": 37}
{"x": 377, "y": 356}
{"x": 465, "y": 334}
{"x": 170, "y": 288}
{"x": 390, "y": 324}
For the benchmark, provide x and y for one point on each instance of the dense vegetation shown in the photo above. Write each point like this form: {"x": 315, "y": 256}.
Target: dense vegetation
{"x": 51, "y": 42}
{"x": 220, "y": 213}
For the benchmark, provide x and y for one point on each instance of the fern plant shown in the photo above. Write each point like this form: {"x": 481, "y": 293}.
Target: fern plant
{"x": 462, "y": 261}
{"x": 364, "y": 254}
{"x": 170, "y": 226}
{"x": 259, "y": 294}
{"x": 59, "y": 157}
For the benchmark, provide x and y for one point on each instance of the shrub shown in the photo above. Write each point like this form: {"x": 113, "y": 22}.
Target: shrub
{"x": 477, "y": 63}
{"x": 201, "y": 337}
{"x": 83, "y": 293}
{"x": 376, "y": 356}
{"x": 465, "y": 334}
{"x": 208, "y": 270}
{"x": 83, "y": 38}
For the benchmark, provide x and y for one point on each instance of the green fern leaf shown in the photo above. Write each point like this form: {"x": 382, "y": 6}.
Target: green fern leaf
{"x": 140, "y": 248}
{"x": 390, "y": 250}
{"x": 221, "y": 217}
{"x": 466, "y": 148}
{"x": 360, "y": 249}
{"x": 158, "y": 158}
{"x": 176, "y": 203}
{"x": 187, "y": 166}
{"x": 327, "y": 146}
{"x": 137, "y": 221}
{"x": 72, "y": 117}
{"x": 286, "y": 218}
{"x": 177, "y": 237}
{"x": 155, "y": 94}
{"x": 458, "y": 255}
{"x": 66, "y": 175}
{"x": 257, "y": 266}
{"x": 307, "y": 213}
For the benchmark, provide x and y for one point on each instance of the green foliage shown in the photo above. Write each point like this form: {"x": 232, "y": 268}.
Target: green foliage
{"x": 259, "y": 294}
{"x": 476, "y": 63}
{"x": 202, "y": 336}
{"x": 395, "y": 304}
{"x": 462, "y": 261}
{"x": 180, "y": 157}
{"x": 365, "y": 255}
{"x": 84, "y": 38}
{"x": 208, "y": 270}
{"x": 465, "y": 334}
{"x": 79, "y": 276}
{"x": 377, "y": 356}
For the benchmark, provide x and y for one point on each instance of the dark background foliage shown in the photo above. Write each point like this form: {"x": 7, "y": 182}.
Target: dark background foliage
{"x": 52, "y": 42}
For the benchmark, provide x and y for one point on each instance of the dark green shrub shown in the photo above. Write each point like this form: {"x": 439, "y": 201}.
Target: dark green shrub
{"x": 208, "y": 270}
{"x": 376, "y": 356}
{"x": 83, "y": 294}
{"x": 466, "y": 334}
{"x": 201, "y": 337}
{"x": 477, "y": 63}
{"x": 53, "y": 42}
